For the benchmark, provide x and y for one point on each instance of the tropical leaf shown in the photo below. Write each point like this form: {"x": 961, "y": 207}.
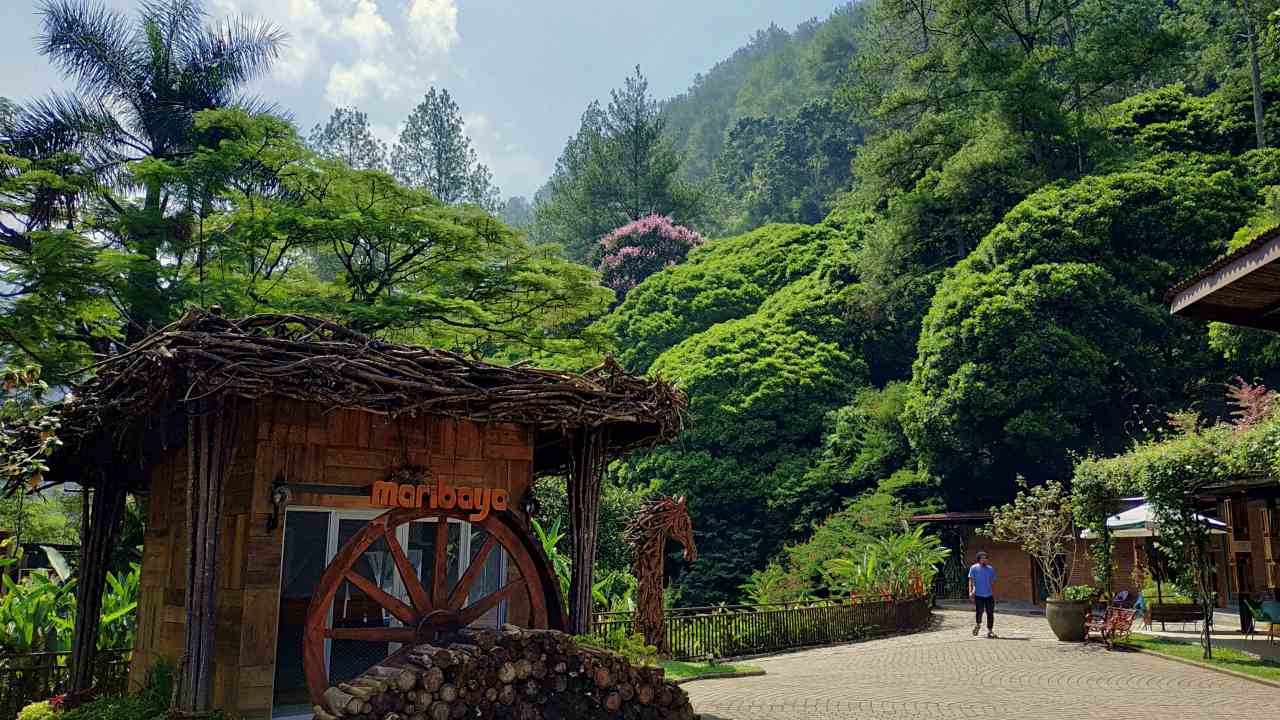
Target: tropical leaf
{"x": 58, "y": 562}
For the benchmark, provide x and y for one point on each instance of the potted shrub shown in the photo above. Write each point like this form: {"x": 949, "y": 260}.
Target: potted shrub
{"x": 1040, "y": 521}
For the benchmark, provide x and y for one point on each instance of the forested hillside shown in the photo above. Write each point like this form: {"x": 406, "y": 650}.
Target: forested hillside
{"x": 897, "y": 257}
{"x": 984, "y": 299}
{"x": 760, "y": 127}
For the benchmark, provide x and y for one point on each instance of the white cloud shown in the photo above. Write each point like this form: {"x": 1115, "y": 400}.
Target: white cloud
{"x": 349, "y": 83}
{"x": 388, "y": 134}
{"x": 357, "y": 48}
{"x": 433, "y": 24}
{"x": 475, "y": 122}
{"x": 365, "y": 25}
{"x": 304, "y": 21}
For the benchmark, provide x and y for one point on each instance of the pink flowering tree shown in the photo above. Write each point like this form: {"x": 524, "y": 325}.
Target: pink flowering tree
{"x": 633, "y": 252}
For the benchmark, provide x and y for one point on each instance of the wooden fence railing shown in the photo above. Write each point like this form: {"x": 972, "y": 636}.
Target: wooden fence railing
{"x": 31, "y": 677}
{"x": 735, "y": 630}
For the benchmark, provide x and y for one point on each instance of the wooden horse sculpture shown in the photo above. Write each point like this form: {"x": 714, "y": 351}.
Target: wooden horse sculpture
{"x": 657, "y": 519}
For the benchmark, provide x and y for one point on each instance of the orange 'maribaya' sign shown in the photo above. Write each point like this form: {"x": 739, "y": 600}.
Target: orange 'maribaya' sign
{"x": 439, "y": 496}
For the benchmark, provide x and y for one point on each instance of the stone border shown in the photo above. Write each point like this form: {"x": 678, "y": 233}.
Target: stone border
{"x": 1203, "y": 665}
{"x": 719, "y": 676}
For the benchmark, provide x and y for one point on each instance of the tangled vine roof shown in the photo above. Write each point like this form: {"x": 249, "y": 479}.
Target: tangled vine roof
{"x": 206, "y": 356}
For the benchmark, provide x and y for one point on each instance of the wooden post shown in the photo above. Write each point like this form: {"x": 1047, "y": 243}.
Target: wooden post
{"x": 586, "y": 478}
{"x": 100, "y": 536}
{"x": 211, "y": 435}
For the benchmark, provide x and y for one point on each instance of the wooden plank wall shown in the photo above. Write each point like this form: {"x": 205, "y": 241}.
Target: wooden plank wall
{"x": 301, "y": 444}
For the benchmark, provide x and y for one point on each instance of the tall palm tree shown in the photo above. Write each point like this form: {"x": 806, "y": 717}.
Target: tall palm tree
{"x": 140, "y": 84}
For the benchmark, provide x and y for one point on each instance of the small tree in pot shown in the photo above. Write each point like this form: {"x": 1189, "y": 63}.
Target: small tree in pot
{"x": 1040, "y": 521}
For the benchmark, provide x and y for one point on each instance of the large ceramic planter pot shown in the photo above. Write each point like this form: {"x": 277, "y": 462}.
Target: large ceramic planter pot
{"x": 1066, "y": 618}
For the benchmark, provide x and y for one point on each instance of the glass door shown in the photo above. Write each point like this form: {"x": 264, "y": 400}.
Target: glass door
{"x": 354, "y": 608}
{"x": 300, "y": 571}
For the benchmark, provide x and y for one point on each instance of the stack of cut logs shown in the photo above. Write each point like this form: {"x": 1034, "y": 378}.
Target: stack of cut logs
{"x": 508, "y": 673}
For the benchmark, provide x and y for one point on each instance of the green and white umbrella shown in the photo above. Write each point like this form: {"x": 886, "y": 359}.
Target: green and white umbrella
{"x": 1141, "y": 522}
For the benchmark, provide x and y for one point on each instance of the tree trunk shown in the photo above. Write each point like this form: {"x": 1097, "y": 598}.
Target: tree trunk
{"x": 1255, "y": 76}
{"x": 586, "y": 478}
{"x": 144, "y": 303}
{"x": 99, "y": 541}
{"x": 211, "y": 435}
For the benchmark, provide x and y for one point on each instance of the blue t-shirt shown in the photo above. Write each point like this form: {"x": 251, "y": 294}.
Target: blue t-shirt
{"x": 982, "y": 576}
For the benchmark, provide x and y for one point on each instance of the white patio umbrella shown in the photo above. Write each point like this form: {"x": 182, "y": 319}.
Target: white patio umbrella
{"x": 1141, "y": 522}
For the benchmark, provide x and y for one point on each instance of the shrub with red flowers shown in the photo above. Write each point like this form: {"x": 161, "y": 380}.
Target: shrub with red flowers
{"x": 633, "y": 252}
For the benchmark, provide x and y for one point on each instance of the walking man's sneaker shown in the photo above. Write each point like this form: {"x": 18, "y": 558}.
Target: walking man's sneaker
{"x": 990, "y": 634}
{"x": 976, "y": 628}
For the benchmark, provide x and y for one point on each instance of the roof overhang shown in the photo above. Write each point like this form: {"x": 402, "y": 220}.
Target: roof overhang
{"x": 1242, "y": 288}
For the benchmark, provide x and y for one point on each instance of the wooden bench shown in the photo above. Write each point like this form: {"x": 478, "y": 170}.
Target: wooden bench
{"x": 1112, "y": 625}
{"x": 1174, "y": 613}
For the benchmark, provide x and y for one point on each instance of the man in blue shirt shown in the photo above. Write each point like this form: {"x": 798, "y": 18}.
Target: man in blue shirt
{"x": 982, "y": 580}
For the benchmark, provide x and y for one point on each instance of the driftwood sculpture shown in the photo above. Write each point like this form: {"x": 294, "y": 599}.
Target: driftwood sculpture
{"x": 658, "y": 519}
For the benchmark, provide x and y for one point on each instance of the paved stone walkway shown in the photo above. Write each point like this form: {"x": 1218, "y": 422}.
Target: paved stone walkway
{"x": 947, "y": 673}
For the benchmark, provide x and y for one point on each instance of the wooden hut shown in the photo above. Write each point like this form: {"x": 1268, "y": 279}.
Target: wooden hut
{"x": 317, "y": 498}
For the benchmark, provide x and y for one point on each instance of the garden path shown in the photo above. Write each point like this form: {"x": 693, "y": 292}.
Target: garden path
{"x": 946, "y": 673}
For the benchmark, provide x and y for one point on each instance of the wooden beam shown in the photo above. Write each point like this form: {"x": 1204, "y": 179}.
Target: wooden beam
{"x": 586, "y": 480}
{"x": 1231, "y": 272}
{"x": 211, "y": 439}
{"x": 1232, "y": 316}
{"x": 100, "y": 536}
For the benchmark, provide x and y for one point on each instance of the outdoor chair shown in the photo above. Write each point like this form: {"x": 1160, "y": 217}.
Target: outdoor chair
{"x": 1251, "y": 616}
{"x": 1114, "y": 624}
{"x": 1271, "y": 616}
{"x": 1247, "y": 616}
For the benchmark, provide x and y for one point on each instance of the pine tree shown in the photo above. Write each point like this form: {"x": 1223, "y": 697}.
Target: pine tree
{"x": 347, "y": 137}
{"x": 434, "y": 152}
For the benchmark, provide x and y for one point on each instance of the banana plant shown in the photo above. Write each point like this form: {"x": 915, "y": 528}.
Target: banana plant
{"x": 615, "y": 592}
{"x": 38, "y": 613}
{"x": 119, "y": 605}
{"x": 856, "y": 577}
{"x": 34, "y": 615}
{"x": 901, "y": 565}
{"x": 550, "y": 539}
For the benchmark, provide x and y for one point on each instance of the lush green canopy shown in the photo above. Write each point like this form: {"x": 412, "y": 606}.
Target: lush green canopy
{"x": 1044, "y": 339}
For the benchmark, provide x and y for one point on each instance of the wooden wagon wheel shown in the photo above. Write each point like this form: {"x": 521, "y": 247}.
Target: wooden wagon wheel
{"x": 435, "y": 610}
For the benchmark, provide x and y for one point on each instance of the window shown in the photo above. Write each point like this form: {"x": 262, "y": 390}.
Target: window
{"x": 1238, "y": 514}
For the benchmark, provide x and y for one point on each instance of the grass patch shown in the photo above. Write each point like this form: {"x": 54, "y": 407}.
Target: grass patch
{"x": 681, "y": 670}
{"x": 1223, "y": 657}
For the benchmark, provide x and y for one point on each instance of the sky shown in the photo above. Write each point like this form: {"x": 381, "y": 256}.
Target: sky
{"x": 522, "y": 71}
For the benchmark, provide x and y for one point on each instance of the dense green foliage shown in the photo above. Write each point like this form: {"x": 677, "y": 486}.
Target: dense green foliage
{"x": 42, "y": 710}
{"x": 632, "y": 647}
{"x": 938, "y": 237}
{"x": 280, "y": 229}
{"x": 37, "y": 612}
{"x": 1043, "y": 339}
{"x": 901, "y": 565}
{"x": 984, "y": 300}
{"x": 151, "y": 702}
{"x": 763, "y": 128}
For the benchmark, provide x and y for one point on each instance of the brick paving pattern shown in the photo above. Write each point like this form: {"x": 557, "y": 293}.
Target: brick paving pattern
{"x": 946, "y": 673}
